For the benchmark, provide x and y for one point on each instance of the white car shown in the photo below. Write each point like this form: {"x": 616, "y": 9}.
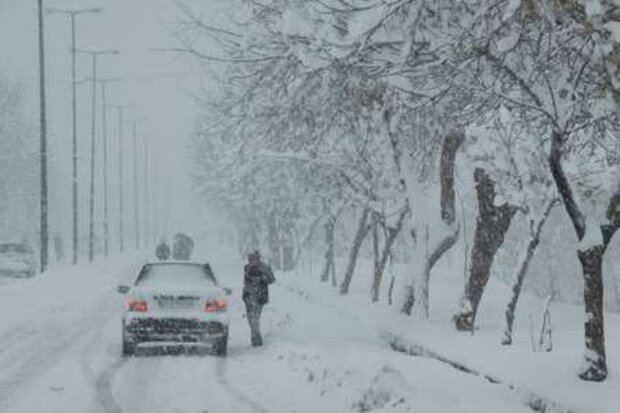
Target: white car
{"x": 17, "y": 259}
{"x": 175, "y": 304}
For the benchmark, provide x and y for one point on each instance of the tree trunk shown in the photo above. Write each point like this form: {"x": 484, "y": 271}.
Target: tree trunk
{"x": 409, "y": 300}
{"x": 449, "y": 150}
{"x": 391, "y": 290}
{"x": 392, "y": 234}
{"x": 441, "y": 248}
{"x": 376, "y": 279}
{"x": 329, "y": 252}
{"x": 523, "y": 268}
{"x": 333, "y": 273}
{"x": 591, "y": 261}
{"x": 592, "y": 264}
{"x": 362, "y": 231}
{"x": 272, "y": 240}
{"x": 491, "y": 227}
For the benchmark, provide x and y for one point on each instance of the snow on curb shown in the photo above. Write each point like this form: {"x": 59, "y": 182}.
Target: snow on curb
{"x": 536, "y": 402}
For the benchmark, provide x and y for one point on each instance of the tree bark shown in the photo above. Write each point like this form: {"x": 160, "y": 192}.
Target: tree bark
{"x": 491, "y": 227}
{"x": 592, "y": 264}
{"x": 523, "y": 268}
{"x": 392, "y": 235}
{"x": 272, "y": 239}
{"x": 391, "y": 291}
{"x": 333, "y": 273}
{"x": 441, "y": 248}
{"x": 362, "y": 231}
{"x": 329, "y": 252}
{"x": 376, "y": 279}
{"x": 449, "y": 150}
{"x": 591, "y": 260}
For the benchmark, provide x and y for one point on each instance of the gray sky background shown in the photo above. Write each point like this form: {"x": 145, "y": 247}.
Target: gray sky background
{"x": 158, "y": 83}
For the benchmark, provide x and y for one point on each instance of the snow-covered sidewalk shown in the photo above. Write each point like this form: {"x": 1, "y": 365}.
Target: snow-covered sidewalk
{"x": 541, "y": 379}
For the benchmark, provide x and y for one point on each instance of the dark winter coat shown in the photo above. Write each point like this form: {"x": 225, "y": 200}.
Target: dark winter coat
{"x": 256, "y": 280}
{"x": 162, "y": 252}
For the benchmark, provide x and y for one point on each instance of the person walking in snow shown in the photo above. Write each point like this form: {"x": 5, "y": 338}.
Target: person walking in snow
{"x": 256, "y": 280}
{"x": 162, "y": 252}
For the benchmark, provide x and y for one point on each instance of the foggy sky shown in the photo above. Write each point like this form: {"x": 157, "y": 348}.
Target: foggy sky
{"x": 158, "y": 83}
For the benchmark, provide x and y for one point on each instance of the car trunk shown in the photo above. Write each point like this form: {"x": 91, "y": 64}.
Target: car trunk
{"x": 177, "y": 300}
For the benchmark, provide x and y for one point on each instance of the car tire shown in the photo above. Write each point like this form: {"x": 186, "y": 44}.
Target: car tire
{"x": 220, "y": 347}
{"x": 129, "y": 348}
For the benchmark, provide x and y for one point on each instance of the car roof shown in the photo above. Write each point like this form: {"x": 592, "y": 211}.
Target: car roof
{"x": 173, "y": 262}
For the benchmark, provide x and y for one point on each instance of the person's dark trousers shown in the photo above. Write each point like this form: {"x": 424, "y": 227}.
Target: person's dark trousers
{"x": 253, "y": 311}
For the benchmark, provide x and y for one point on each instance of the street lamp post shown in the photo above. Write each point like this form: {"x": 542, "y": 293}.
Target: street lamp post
{"x": 44, "y": 240}
{"x": 73, "y": 13}
{"x": 94, "y": 54}
{"x": 104, "y": 119}
{"x": 135, "y": 186}
{"x": 121, "y": 176}
{"x": 147, "y": 221}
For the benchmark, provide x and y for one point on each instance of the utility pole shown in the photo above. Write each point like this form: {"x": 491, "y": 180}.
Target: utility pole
{"x": 94, "y": 54}
{"x": 146, "y": 191}
{"x": 121, "y": 189}
{"x": 73, "y": 13}
{"x": 104, "y": 120}
{"x": 44, "y": 240}
{"x": 135, "y": 186}
{"x": 121, "y": 177}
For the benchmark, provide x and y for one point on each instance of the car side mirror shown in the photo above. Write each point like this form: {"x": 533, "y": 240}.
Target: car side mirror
{"x": 122, "y": 289}
{"x": 227, "y": 291}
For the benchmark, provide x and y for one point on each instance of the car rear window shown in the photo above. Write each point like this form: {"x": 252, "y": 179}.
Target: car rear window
{"x": 176, "y": 275}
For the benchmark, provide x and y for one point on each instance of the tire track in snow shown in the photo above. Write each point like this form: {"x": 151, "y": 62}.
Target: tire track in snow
{"x": 104, "y": 388}
{"x": 222, "y": 380}
{"x": 42, "y": 349}
{"x": 101, "y": 381}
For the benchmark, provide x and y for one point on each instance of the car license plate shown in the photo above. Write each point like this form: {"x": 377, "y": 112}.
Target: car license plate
{"x": 176, "y": 302}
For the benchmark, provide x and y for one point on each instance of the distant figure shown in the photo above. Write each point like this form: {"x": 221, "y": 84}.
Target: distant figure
{"x": 182, "y": 247}
{"x": 163, "y": 251}
{"x": 256, "y": 280}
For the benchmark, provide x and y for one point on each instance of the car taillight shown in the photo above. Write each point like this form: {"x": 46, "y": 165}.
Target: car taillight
{"x": 139, "y": 306}
{"x": 214, "y": 306}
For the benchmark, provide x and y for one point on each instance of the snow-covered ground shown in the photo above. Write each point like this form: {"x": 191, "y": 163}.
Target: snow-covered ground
{"x": 60, "y": 352}
{"x": 537, "y": 377}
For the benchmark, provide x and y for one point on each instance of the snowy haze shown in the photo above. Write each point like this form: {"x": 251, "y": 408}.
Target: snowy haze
{"x": 398, "y": 206}
{"x": 158, "y": 85}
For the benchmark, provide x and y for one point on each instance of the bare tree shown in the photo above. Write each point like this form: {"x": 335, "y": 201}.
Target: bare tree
{"x": 492, "y": 224}
{"x": 363, "y": 227}
{"x": 534, "y": 241}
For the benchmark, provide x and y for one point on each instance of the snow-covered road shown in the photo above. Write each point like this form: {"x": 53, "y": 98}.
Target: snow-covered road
{"x": 60, "y": 352}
